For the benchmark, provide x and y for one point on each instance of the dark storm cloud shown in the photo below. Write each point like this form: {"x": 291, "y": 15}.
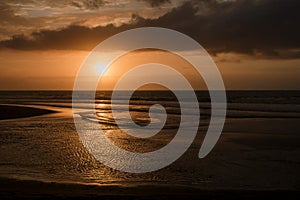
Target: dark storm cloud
{"x": 266, "y": 27}
{"x": 73, "y": 37}
{"x": 245, "y": 26}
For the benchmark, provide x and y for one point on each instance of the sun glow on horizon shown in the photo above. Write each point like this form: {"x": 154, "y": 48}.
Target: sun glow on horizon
{"x": 100, "y": 69}
{"x": 56, "y": 70}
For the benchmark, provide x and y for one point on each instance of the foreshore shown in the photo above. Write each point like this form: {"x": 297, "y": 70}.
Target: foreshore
{"x": 42, "y": 157}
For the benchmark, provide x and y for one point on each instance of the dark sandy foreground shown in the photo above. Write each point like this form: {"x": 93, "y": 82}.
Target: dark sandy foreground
{"x": 24, "y": 189}
{"x": 12, "y": 112}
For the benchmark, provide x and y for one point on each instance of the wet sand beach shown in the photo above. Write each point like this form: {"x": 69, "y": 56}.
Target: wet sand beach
{"x": 256, "y": 157}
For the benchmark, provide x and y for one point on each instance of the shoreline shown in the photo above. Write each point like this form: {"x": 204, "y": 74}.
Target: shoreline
{"x": 15, "y": 112}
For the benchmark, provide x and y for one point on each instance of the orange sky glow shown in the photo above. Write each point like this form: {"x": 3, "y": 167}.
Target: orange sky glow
{"x": 56, "y": 70}
{"x": 44, "y": 43}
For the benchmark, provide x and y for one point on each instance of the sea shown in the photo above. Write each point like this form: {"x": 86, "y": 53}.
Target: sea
{"x": 259, "y": 147}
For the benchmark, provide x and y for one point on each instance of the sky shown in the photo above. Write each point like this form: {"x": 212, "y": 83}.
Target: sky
{"x": 255, "y": 43}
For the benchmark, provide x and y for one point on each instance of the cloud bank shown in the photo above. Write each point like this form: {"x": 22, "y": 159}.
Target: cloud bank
{"x": 269, "y": 28}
